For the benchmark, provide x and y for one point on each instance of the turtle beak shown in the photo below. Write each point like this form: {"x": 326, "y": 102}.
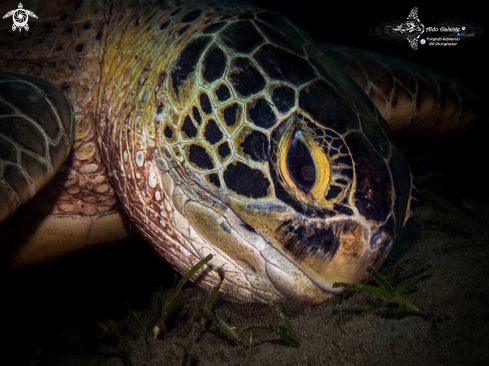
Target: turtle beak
{"x": 337, "y": 251}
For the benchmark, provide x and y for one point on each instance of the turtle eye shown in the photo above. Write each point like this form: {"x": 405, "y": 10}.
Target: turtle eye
{"x": 304, "y": 166}
{"x": 301, "y": 166}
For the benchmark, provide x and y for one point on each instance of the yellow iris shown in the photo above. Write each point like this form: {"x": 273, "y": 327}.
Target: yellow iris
{"x": 316, "y": 195}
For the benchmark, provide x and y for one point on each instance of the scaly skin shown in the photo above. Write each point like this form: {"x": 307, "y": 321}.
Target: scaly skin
{"x": 150, "y": 98}
{"x": 412, "y": 99}
{"x": 51, "y": 52}
{"x": 78, "y": 208}
{"x": 288, "y": 174}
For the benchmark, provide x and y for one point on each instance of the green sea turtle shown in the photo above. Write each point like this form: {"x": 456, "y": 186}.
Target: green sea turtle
{"x": 210, "y": 127}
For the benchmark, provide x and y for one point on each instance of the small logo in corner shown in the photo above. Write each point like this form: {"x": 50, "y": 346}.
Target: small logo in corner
{"x": 447, "y": 33}
{"x": 20, "y": 17}
{"x": 412, "y": 28}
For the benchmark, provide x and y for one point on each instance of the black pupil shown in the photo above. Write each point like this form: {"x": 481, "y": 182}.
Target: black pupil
{"x": 301, "y": 166}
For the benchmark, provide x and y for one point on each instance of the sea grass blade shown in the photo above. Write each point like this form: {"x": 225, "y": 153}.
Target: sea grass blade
{"x": 336, "y": 299}
{"x": 341, "y": 321}
{"x": 191, "y": 272}
{"x": 381, "y": 280}
{"x": 362, "y": 287}
{"x": 219, "y": 322}
{"x": 168, "y": 310}
{"x": 213, "y": 295}
{"x": 409, "y": 281}
{"x": 175, "y": 293}
{"x": 176, "y": 296}
{"x": 374, "y": 306}
{"x": 284, "y": 336}
{"x": 186, "y": 349}
{"x": 405, "y": 302}
{"x": 394, "y": 296}
{"x": 289, "y": 328}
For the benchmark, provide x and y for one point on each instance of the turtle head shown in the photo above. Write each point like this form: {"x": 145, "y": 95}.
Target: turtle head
{"x": 314, "y": 198}
{"x": 326, "y": 189}
{"x": 269, "y": 157}
{"x": 313, "y": 186}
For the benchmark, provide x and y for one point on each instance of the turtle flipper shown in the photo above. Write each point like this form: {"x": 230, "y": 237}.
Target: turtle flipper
{"x": 412, "y": 99}
{"x": 36, "y": 134}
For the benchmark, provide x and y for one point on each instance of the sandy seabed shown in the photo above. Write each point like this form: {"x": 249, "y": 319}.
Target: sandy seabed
{"x": 66, "y": 313}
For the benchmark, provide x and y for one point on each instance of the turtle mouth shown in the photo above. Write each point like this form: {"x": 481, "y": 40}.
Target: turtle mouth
{"x": 327, "y": 251}
{"x": 306, "y": 238}
{"x": 249, "y": 258}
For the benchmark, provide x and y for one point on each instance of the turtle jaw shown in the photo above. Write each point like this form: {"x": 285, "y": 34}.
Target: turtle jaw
{"x": 253, "y": 266}
{"x": 284, "y": 257}
{"x": 337, "y": 250}
{"x": 325, "y": 251}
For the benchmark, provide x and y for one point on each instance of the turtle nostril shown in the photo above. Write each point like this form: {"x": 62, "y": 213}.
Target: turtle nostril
{"x": 382, "y": 239}
{"x": 376, "y": 240}
{"x": 308, "y": 173}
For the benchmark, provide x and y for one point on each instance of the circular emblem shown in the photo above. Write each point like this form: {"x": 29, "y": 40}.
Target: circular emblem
{"x": 20, "y": 17}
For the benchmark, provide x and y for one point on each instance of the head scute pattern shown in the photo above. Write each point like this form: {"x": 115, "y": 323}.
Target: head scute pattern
{"x": 260, "y": 122}
{"x": 227, "y": 131}
{"x": 255, "y": 120}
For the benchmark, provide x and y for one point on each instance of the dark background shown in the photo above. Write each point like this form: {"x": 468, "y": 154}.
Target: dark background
{"x": 52, "y": 315}
{"x": 347, "y": 22}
